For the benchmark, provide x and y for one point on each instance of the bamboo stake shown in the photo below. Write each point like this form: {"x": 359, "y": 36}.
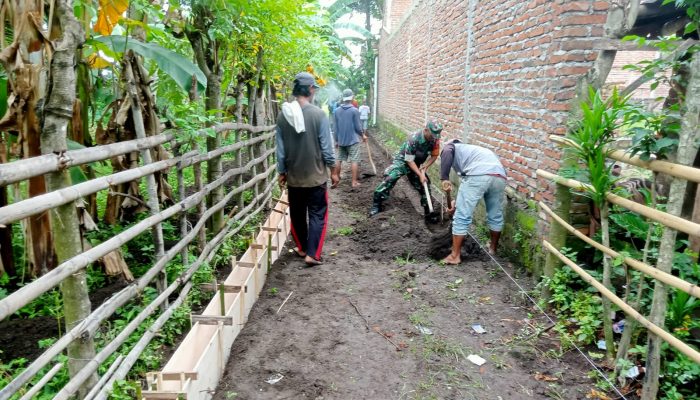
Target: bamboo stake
{"x": 670, "y": 339}
{"x": 661, "y": 276}
{"x": 151, "y": 186}
{"x": 184, "y": 254}
{"x": 27, "y": 168}
{"x": 667, "y": 219}
{"x": 679, "y": 171}
{"x": 42, "y": 382}
{"x": 202, "y": 206}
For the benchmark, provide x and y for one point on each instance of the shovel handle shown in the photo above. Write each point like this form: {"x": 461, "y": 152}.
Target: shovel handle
{"x": 427, "y": 195}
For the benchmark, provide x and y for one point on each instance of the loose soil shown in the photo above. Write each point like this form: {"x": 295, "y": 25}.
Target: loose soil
{"x": 382, "y": 319}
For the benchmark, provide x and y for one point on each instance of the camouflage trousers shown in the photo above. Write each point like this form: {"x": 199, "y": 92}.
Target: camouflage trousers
{"x": 392, "y": 175}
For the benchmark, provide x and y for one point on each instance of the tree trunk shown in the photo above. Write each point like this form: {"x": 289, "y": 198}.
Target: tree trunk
{"x": 7, "y": 260}
{"x": 687, "y": 150}
{"x": 65, "y": 225}
{"x": 214, "y": 166}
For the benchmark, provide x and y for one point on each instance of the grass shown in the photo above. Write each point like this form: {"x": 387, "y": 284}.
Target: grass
{"x": 421, "y": 317}
{"x": 344, "y": 231}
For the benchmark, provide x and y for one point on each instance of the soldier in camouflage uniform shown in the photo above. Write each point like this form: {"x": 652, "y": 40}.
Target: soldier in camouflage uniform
{"x": 407, "y": 161}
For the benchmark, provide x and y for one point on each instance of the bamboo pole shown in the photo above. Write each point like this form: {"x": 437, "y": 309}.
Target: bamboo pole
{"x": 28, "y": 207}
{"x": 661, "y": 276}
{"x": 667, "y": 219}
{"x": 184, "y": 257}
{"x": 202, "y": 206}
{"x": 226, "y": 149}
{"x": 29, "y": 292}
{"x": 151, "y": 186}
{"x": 38, "y": 204}
{"x": 27, "y": 168}
{"x": 670, "y": 339}
{"x": 91, "y": 323}
{"x": 688, "y": 144}
{"x": 42, "y": 382}
{"x": 105, "y": 377}
{"x": 679, "y": 171}
{"x": 205, "y": 257}
{"x": 680, "y": 51}
{"x": 91, "y": 367}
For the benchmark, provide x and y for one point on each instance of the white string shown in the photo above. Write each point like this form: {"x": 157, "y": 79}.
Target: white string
{"x": 523, "y": 291}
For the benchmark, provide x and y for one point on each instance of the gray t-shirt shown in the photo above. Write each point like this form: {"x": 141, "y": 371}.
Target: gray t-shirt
{"x": 305, "y": 156}
{"x": 469, "y": 160}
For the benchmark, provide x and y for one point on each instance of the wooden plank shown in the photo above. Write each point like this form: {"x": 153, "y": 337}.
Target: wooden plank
{"x": 162, "y": 395}
{"x": 270, "y": 229}
{"x": 211, "y": 319}
{"x": 245, "y": 264}
{"x": 279, "y": 211}
{"x": 263, "y": 247}
{"x": 210, "y": 287}
{"x": 178, "y": 376}
{"x": 286, "y": 203}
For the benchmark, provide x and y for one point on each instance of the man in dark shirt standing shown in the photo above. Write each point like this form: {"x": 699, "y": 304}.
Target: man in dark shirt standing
{"x": 408, "y": 161}
{"x": 304, "y": 153}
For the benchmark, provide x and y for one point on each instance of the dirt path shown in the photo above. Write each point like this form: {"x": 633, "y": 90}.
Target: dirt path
{"x": 352, "y": 327}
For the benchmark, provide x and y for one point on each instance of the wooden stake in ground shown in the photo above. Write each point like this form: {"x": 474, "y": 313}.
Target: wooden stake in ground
{"x": 369, "y": 156}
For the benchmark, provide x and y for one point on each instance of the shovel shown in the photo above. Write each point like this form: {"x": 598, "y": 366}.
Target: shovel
{"x": 369, "y": 155}
{"x": 427, "y": 194}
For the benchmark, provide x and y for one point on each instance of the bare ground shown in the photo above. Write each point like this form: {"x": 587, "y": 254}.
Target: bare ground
{"x": 352, "y": 326}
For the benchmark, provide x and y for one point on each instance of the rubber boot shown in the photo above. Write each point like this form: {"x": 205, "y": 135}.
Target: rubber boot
{"x": 495, "y": 235}
{"x": 376, "y": 207}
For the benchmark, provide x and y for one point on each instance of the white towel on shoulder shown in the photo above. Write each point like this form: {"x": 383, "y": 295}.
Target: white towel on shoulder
{"x": 292, "y": 112}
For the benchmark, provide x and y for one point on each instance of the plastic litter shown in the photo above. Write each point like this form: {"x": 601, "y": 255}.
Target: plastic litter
{"x": 476, "y": 359}
{"x": 274, "y": 378}
{"x": 619, "y": 326}
{"x": 601, "y": 345}
{"x": 423, "y": 330}
{"x": 632, "y": 372}
{"x": 478, "y": 328}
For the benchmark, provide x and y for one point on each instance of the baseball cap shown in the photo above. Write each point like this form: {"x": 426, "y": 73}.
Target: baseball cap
{"x": 347, "y": 94}
{"x": 305, "y": 79}
{"x": 434, "y": 126}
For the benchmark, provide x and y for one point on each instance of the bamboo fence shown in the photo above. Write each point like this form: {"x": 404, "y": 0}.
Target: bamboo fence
{"x": 258, "y": 150}
{"x": 666, "y": 219}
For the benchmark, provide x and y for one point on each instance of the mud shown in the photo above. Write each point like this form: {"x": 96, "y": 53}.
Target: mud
{"x": 355, "y": 327}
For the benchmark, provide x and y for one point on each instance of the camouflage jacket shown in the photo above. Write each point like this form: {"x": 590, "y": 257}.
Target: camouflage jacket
{"x": 417, "y": 149}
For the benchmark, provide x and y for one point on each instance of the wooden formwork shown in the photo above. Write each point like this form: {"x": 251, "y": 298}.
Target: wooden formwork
{"x": 194, "y": 370}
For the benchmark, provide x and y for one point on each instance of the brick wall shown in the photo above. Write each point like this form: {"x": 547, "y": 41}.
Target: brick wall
{"x": 499, "y": 73}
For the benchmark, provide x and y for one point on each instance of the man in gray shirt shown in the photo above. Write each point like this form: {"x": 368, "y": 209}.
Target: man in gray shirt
{"x": 304, "y": 153}
{"x": 481, "y": 175}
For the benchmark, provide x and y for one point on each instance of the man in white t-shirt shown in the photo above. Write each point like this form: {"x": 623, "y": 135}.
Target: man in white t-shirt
{"x": 364, "y": 116}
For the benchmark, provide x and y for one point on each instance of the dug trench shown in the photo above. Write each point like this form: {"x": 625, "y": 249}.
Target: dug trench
{"x": 383, "y": 319}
